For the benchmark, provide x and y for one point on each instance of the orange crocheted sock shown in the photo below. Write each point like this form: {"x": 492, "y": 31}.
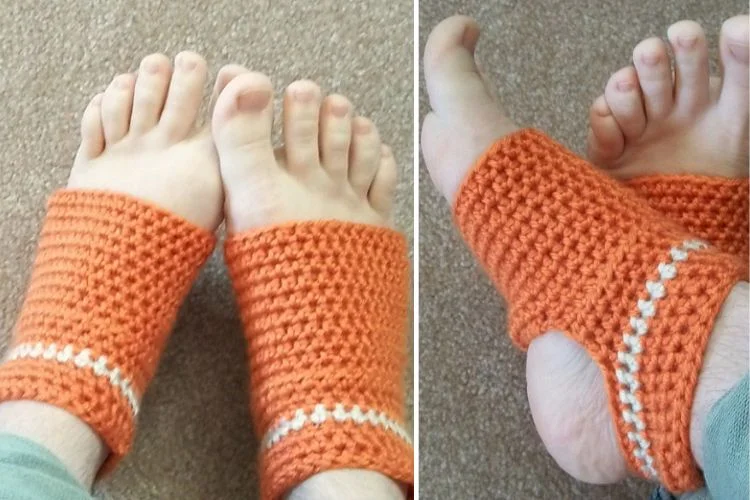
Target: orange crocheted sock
{"x": 713, "y": 208}
{"x": 109, "y": 277}
{"x": 324, "y": 306}
{"x": 574, "y": 251}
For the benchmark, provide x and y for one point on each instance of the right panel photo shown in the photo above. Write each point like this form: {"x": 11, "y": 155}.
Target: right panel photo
{"x": 583, "y": 250}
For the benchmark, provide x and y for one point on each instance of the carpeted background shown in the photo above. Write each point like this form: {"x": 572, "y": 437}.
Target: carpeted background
{"x": 194, "y": 439}
{"x": 548, "y": 61}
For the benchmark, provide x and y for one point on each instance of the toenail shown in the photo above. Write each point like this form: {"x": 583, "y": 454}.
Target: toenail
{"x": 625, "y": 86}
{"x": 687, "y": 41}
{"x": 739, "y": 51}
{"x": 303, "y": 94}
{"x": 97, "y": 100}
{"x": 150, "y": 66}
{"x": 650, "y": 58}
{"x": 187, "y": 63}
{"x": 253, "y": 100}
{"x": 340, "y": 109}
{"x": 362, "y": 126}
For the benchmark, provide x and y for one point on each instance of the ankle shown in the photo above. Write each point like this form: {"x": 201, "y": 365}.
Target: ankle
{"x": 724, "y": 365}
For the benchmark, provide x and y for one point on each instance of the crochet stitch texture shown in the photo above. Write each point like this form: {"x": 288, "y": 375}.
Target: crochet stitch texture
{"x": 109, "y": 277}
{"x": 572, "y": 250}
{"x": 324, "y": 308}
{"x": 712, "y": 208}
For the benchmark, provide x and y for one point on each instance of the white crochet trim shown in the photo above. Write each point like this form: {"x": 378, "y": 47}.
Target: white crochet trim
{"x": 321, "y": 414}
{"x": 82, "y": 360}
{"x": 627, "y": 361}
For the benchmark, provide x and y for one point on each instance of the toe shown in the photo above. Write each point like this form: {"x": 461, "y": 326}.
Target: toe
{"x": 691, "y": 87}
{"x": 365, "y": 155}
{"x": 184, "y": 97}
{"x": 335, "y": 135}
{"x": 454, "y": 83}
{"x": 226, "y": 74}
{"x": 606, "y": 141}
{"x": 117, "y": 105}
{"x": 623, "y": 96}
{"x": 734, "y": 59}
{"x": 651, "y": 61}
{"x": 243, "y": 119}
{"x": 383, "y": 185}
{"x": 300, "y": 128}
{"x": 92, "y": 132}
{"x": 151, "y": 86}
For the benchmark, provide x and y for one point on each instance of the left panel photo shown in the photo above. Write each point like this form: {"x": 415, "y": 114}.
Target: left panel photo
{"x": 207, "y": 236}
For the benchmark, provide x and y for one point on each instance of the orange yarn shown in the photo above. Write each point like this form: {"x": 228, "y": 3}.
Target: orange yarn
{"x": 324, "y": 311}
{"x": 109, "y": 277}
{"x": 713, "y": 208}
{"x": 572, "y": 250}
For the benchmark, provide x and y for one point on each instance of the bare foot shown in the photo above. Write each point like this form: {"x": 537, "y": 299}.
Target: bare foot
{"x": 649, "y": 122}
{"x": 332, "y": 165}
{"x": 139, "y": 138}
{"x": 566, "y": 389}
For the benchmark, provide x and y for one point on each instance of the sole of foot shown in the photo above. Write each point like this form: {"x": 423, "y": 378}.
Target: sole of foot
{"x": 332, "y": 166}
{"x": 651, "y": 120}
{"x": 139, "y": 138}
{"x": 566, "y": 389}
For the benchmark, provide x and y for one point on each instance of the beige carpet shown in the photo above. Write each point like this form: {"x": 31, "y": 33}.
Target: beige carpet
{"x": 549, "y": 60}
{"x": 194, "y": 440}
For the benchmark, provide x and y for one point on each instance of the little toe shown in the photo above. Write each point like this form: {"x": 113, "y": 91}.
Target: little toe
{"x": 116, "y": 107}
{"x": 300, "y": 128}
{"x": 92, "y": 131}
{"x": 691, "y": 87}
{"x": 365, "y": 155}
{"x": 335, "y": 135}
{"x": 383, "y": 186}
{"x": 184, "y": 96}
{"x": 623, "y": 96}
{"x": 606, "y": 141}
{"x": 151, "y": 86}
{"x": 651, "y": 61}
{"x": 733, "y": 46}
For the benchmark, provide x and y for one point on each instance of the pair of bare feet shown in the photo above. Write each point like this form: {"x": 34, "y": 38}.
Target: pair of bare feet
{"x": 139, "y": 138}
{"x": 649, "y": 121}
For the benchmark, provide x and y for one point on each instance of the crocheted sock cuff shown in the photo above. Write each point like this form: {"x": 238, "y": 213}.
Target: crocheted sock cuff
{"x": 109, "y": 277}
{"x": 713, "y": 208}
{"x": 324, "y": 307}
{"x": 574, "y": 251}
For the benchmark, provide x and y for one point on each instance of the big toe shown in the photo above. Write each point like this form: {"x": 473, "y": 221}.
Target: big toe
{"x": 452, "y": 77}
{"x": 734, "y": 58}
{"x": 242, "y": 125}
{"x": 465, "y": 120}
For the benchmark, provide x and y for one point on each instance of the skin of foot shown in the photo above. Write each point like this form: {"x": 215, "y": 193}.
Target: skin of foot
{"x": 332, "y": 166}
{"x": 565, "y": 388}
{"x": 137, "y": 138}
{"x": 651, "y": 120}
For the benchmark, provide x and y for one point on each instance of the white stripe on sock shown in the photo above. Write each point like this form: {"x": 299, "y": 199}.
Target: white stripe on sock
{"x": 82, "y": 360}
{"x": 627, "y": 367}
{"x": 339, "y": 413}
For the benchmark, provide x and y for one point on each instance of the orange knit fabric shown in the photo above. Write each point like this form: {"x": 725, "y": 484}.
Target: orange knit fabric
{"x": 324, "y": 307}
{"x": 109, "y": 277}
{"x": 572, "y": 250}
{"x": 712, "y": 208}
